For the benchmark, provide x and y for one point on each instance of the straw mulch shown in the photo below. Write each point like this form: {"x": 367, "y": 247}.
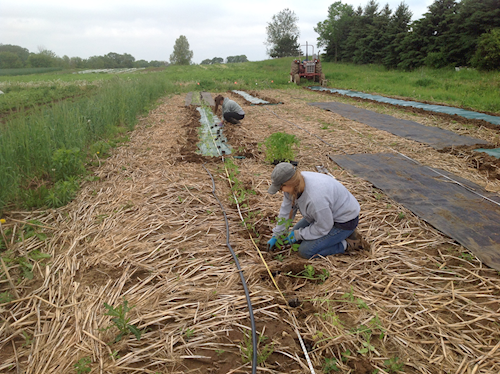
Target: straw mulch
{"x": 150, "y": 231}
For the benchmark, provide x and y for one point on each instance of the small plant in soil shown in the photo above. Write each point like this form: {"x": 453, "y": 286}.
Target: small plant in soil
{"x": 121, "y": 321}
{"x": 330, "y": 365}
{"x": 310, "y": 273}
{"x": 246, "y": 348}
{"x": 83, "y": 365}
{"x": 393, "y": 365}
{"x": 189, "y": 333}
{"x": 280, "y": 147}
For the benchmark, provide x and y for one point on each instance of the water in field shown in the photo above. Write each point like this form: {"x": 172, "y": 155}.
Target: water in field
{"x": 429, "y": 107}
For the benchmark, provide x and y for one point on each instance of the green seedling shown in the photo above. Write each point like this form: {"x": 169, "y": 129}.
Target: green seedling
{"x": 83, "y": 365}
{"x": 28, "y": 339}
{"x": 349, "y": 297}
{"x": 115, "y": 356}
{"x": 310, "y": 273}
{"x": 401, "y": 215}
{"x": 246, "y": 349}
{"x": 121, "y": 321}
{"x": 189, "y": 333}
{"x": 330, "y": 365}
{"x": 219, "y": 352}
{"x": 279, "y": 257}
{"x": 346, "y": 355}
{"x": 467, "y": 256}
{"x": 393, "y": 365}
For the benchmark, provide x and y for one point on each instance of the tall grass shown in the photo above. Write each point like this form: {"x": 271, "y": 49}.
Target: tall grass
{"x": 28, "y": 142}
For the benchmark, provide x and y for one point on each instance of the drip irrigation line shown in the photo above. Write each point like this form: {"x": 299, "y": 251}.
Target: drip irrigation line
{"x": 242, "y": 277}
{"x": 252, "y": 320}
{"x": 409, "y": 158}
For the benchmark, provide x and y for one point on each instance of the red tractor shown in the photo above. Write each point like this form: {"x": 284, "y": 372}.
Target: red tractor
{"x": 309, "y": 69}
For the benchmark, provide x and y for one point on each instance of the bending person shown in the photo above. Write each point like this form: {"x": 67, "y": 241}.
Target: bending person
{"x": 231, "y": 111}
{"x": 330, "y": 212}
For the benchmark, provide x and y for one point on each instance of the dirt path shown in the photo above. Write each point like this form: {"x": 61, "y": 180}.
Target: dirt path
{"x": 151, "y": 232}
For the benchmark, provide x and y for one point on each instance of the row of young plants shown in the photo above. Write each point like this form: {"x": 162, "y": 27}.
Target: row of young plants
{"x": 282, "y": 147}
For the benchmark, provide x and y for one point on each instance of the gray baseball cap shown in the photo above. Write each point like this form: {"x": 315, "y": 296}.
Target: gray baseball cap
{"x": 281, "y": 174}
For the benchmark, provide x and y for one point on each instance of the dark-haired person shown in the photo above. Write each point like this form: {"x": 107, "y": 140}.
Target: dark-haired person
{"x": 231, "y": 111}
{"x": 330, "y": 212}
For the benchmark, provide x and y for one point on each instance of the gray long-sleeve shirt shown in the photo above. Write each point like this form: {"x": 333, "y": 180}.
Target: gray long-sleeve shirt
{"x": 229, "y": 105}
{"x": 324, "y": 201}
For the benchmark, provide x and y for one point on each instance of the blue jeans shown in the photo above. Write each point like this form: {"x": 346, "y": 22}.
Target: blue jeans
{"x": 329, "y": 244}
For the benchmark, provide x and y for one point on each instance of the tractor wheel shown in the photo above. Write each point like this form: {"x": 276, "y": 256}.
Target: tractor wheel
{"x": 319, "y": 69}
{"x": 296, "y": 79}
{"x": 294, "y": 68}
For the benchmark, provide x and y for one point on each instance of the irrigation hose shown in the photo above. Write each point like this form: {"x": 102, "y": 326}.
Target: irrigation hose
{"x": 242, "y": 277}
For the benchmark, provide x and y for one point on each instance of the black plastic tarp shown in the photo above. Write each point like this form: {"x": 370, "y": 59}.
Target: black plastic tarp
{"x": 457, "y": 207}
{"x": 433, "y": 136}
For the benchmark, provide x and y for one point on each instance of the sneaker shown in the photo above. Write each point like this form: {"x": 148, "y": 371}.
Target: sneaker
{"x": 354, "y": 236}
{"x": 354, "y": 244}
{"x": 357, "y": 243}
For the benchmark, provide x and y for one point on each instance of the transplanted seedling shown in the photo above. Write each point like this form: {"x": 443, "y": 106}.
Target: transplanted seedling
{"x": 120, "y": 320}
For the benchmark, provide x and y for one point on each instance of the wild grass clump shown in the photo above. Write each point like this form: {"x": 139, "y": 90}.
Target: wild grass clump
{"x": 34, "y": 144}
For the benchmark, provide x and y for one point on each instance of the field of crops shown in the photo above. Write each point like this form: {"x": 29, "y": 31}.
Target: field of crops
{"x": 132, "y": 274}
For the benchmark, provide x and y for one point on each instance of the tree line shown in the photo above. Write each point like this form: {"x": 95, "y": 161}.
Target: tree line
{"x": 451, "y": 33}
{"x": 13, "y": 56}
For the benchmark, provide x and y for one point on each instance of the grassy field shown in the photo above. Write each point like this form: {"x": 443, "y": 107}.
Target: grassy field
{"x": 42, "y": 114}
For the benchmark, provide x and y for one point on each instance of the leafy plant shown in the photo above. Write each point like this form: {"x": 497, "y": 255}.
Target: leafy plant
{"x": 281, "y": 147}
{"x": 246, "y": 349}
{"x": 120, "y": 320}
{"x": 279, "y": 257}
{"x": 393, "y": 365}
{"x": 330, "y": 365}
{"x": 310, "y": 273}
{"x": 67, "y": 163}
{"x": 189, "y": 333}
{"x": 83, "y": 365}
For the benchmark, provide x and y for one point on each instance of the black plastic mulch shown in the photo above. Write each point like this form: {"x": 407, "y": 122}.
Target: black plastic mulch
{"x": 433, "y": 136}
{"x": 440, "y": 198}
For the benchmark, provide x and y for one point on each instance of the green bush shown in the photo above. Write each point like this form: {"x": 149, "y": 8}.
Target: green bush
{"x": 487, "y": 55}
{"x": 280, "y": 147}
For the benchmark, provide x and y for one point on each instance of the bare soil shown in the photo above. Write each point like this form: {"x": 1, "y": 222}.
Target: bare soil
{"x": 151, "y": 231}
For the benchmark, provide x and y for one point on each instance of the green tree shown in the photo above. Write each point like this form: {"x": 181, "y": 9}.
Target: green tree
{"x": 181, "y": 55}
{"x": 218, "y": 60}
{"x": 397, "y": 30}
{"x": 487, "y": 56}
{"x": 235, "y": 59}
{"x": 335, "y": 29}
{"x": 9, "y": 60}
{"x": 21, "y": 52}
{"x": 283, "y": 34}
{"x": 206, "y": 61}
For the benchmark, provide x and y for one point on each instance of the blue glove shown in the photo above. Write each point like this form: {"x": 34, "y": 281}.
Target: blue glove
{"x": 290, "y": 239}
{"x": 271, "y": 242}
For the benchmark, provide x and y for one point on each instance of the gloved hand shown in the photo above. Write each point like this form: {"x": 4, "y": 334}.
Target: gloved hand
{"x": 271, "y": 242}
{"x": 290, "y": 239}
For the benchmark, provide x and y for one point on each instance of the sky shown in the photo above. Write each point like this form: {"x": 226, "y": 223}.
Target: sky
{"x": 148, "y": 29}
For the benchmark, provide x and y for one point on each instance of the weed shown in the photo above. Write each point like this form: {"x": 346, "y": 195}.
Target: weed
{"x": 28, "y": 339}
{"x": 330, "y": 365}
{"x": 346, "y": 355}
{"x": 246, "y": 349}
{"x": 189, "y": 333}
{"x": 393, "y": 365}
{"x": 120, "y": 320}
{"x": 5, "y": 297}
{"x": 467, "y": 256}
{"x": 349, "y": 297}
{"x": 115, "y": 355}
{"x": 83, "y": 365}
{"x": 401, "y": 215}
{"x": 67, "y": 163}
{"x": 219, "y": 351}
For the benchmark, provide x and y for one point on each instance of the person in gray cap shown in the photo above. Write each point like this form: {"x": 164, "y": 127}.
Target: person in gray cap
{"x": 330, "y": 212}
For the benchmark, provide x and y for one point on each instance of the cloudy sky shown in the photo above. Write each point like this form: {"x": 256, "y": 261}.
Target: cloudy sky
{"x": 148, "y": 29}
